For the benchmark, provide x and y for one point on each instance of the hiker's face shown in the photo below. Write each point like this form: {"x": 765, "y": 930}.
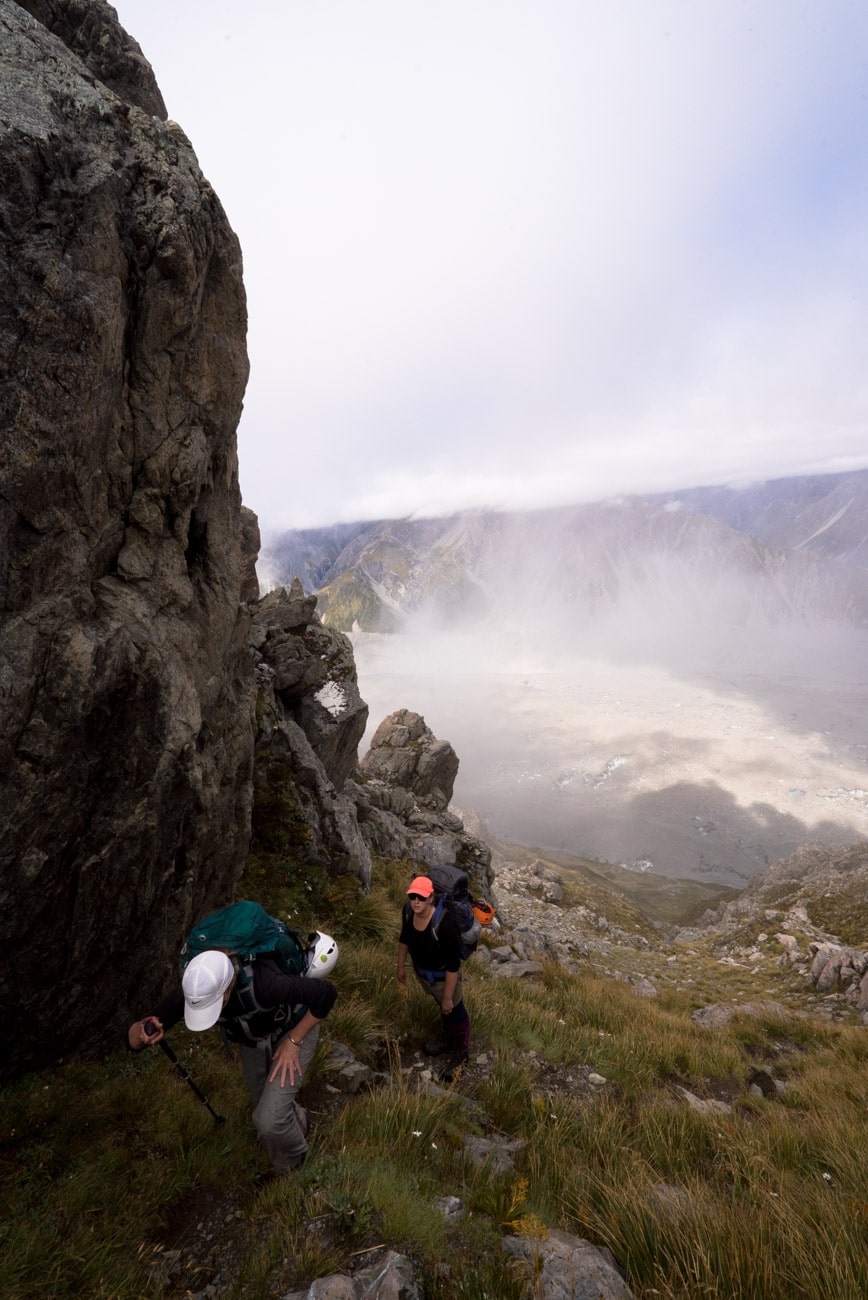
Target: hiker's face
{"x": 418, "y": 903}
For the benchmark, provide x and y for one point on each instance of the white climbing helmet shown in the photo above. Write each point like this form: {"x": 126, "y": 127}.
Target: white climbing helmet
{"x": 322, "y": 955}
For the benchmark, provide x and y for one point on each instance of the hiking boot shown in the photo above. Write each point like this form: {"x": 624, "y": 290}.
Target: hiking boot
{"x": 447, "y": 1074}
{"x": 435, "y": 1047}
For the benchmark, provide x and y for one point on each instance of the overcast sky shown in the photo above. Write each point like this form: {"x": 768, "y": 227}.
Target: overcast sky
{"x": 527, "y": 252}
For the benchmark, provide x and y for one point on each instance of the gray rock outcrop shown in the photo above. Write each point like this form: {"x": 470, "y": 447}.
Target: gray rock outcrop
{"x": 155, "y": 711}
{"x": 406, "y": 753}
{"x": 310, "y": 719}
{"x": 346, "y": 1072}
{"x": 840, "y": 969}
{"x": 497, "y": 1153}
{"x": 92, "y": 33}
{"x": 126, "y": 678}
{"x": 402, "y": 790}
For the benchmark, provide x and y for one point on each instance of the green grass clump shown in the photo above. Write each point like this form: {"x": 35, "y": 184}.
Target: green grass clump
{"x": 507, "y": 1094}
{"x": 843, "y": 913}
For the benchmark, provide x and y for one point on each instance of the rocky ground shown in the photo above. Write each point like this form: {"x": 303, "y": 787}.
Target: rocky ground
{"x": 771, "y": 933}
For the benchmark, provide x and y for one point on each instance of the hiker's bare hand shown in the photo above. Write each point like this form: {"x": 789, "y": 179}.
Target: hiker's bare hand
{"x": 400, "y": 975}
{"x": 285, "y": 1061}
{"x": 144, "y": 1032}
{"x": 446, "y": 1005}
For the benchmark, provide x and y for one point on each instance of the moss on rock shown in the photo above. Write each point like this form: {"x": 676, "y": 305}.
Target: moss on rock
{"x": 278, "y": 822}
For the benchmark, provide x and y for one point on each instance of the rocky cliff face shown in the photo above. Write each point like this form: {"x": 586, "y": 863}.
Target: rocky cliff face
{"x": 313, "y": 801}
{"x": 126, "y": 676}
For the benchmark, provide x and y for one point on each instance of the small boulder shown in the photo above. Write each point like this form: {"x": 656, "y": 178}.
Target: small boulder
{"x": 346, "y": 1072}
{"x": 496, "y": 1151}
{"x": 565, "y": 1267}
{"x": 388, "y": 1279}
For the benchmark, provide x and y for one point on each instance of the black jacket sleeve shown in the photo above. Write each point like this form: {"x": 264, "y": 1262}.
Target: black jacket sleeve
{"x": 272, "y": 988}
{"x": 170, "y": 1009}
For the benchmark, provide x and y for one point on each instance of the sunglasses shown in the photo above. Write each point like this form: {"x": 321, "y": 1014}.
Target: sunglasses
{"x": 418, "y": 898}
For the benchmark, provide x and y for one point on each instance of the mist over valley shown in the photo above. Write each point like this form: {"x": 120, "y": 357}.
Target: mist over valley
{"x": 631, "y": 681}
{"x": 710, "y": 770}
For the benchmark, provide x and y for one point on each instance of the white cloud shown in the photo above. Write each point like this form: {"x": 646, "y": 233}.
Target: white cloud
{"x": 503, "y": 253}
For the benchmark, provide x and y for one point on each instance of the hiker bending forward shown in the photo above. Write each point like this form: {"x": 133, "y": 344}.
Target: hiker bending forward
{"x": 273, "y": 1017}
{"x": 434, "y": 948}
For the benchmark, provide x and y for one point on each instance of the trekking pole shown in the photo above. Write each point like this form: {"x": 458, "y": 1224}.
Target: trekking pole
{"x": 185, "y": 1075}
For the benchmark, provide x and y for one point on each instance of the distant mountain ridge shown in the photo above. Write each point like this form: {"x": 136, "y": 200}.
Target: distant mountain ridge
{"x": 826, "y": 514}
{"x": 792, "y": 551}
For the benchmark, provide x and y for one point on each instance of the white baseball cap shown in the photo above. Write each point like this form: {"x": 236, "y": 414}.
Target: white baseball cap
{"x": 205, "y": 980}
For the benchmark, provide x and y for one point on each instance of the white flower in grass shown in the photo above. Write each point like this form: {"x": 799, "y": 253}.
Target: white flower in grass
{"x": 417, "y": 1132}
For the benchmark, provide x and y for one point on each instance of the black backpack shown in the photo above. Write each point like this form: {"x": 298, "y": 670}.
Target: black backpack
{"x": 452, "y": 897}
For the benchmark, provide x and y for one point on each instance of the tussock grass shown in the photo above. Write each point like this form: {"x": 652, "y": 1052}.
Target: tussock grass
{"x": 383, "y": 1160}
{"x": 94, "y": 1159}
{"x": 756, "y": 1245}
{"x": 354, "y": 1022}
{"x": 101, "y": 1162}
{"x": 379, "y": 1123}
{"x": 507, "y": 1094}
{"x": 581, "y": 1019}
{"x": 756, "y": 1195}
{"x": 367, "y": 972}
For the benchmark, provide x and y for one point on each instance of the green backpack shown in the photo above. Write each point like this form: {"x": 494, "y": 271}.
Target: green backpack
{"x": 246, "y": 930}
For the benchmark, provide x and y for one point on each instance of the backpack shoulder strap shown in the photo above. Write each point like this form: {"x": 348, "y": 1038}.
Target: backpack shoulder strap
{"x": 439, "y": 910}
{"x": 244, "y": 989}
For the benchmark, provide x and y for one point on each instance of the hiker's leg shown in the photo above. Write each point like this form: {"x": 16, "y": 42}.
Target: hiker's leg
{"x": 457, "y": 1028}
{"x": 438, "y": 989}
{"x": 254, "y": 1062}
{"x": 455, "y": 1024}
{"x": 281, "y": 1124}
{"x": 434, "y": 988}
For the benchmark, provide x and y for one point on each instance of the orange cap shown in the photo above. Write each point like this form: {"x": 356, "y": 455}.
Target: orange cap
{"x": 421, "y": 885}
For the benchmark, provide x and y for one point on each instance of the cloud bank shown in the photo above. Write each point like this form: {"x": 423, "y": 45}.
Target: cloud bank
{"x": 510, "y": 255}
